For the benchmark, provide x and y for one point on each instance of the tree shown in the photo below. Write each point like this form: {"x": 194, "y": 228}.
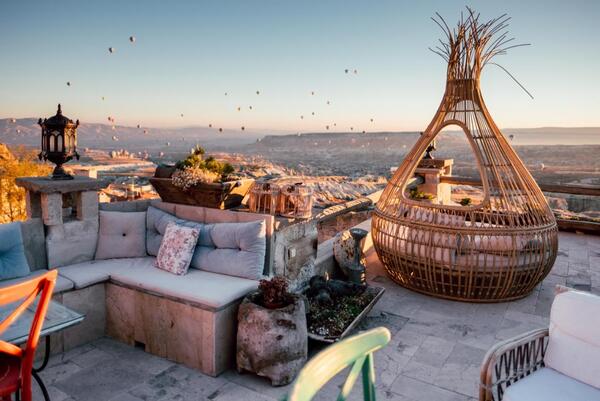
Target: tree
{"x": 20, "y": 162}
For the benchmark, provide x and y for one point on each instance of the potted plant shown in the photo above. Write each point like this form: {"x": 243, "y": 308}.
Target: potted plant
{"x": 421, "y": 196}
{"x": 272, "y": 338}
{"x": 466, "y": 201}
{"x": 200, "y": 181}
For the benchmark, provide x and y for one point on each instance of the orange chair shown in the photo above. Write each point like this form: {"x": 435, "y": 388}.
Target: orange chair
{"x": 16, "y": 364}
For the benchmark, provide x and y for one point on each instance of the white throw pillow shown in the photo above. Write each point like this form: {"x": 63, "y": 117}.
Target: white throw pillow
{"x": 574, "y": 343}
{"x": 121, "y": 235}
{"x": 177, "y": 248}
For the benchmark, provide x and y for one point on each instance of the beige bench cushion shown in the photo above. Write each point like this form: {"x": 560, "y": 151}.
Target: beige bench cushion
{"x": 62, "y": 283}
{"x": 214, "y": 291}
{"x": 93, "y": 272}
{"x": 549, "y": 385}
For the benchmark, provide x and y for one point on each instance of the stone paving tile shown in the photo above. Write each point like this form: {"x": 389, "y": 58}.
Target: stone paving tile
{"x": 91, "y": 358}
{"x": 418, "y": 390}
{"x": 234, "y": 392}
{"x": 256, "y": 383}
{"x": 54, "y": 393}
{"x": 103, "y": 381}
{"x": 59, "y": 372}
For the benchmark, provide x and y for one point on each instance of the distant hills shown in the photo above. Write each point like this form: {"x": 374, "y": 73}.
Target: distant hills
{"x": 105, "y": 136}
{"x": 26, "y": 131}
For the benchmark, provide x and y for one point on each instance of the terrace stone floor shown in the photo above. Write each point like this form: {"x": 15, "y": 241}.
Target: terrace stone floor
{"x": 435, "y": 353}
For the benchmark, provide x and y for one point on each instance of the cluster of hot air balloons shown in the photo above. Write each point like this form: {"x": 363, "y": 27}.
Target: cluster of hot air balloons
{"x": 132, "y": 40}
{"x": 111, "y": 49}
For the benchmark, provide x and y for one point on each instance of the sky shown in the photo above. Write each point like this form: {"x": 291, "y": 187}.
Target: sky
{"x": 188, "y": 54}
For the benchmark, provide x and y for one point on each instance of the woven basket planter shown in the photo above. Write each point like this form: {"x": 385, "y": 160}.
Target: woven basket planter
{"x": 225, "y": 195}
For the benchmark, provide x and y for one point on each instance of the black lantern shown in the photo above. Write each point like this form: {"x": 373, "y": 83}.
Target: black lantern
{"x": 59, "y": 142}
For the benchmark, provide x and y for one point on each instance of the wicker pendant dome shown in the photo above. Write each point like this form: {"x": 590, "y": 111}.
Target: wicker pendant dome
{"x": 499, "y": 249}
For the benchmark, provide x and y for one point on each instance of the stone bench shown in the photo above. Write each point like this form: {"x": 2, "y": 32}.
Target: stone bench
{"x": 190, "y": 319}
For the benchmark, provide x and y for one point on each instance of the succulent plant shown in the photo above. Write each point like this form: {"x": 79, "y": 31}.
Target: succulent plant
{"x": 274, "y": 292}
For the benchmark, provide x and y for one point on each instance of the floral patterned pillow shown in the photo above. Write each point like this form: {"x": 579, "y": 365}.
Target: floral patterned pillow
{"x": 177, "y": 248}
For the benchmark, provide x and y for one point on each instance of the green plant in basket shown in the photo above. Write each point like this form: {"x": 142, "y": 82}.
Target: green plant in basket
{"x": 419, "y": 195}
{"x": 194, "y": 170}
{"x": 466, "y": 201}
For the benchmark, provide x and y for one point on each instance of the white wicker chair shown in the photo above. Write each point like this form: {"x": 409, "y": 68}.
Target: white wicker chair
{"x": 559, "y": 363}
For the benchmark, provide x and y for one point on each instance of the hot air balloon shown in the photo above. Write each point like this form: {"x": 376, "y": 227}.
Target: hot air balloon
{"x": 161, "y": 154}
{"x": 542, "y": 166}
{"x": 313, "y": 113}
{"x": 132, "y": 39}
{"x": 225, "y": 93}
{"x": 111, "y": 50}
{"x": 511, "y": 136}
{"x": 250, "y": 107}
{"x": 68, "y": 83}
{"x": 239, "y": 108}
{"x": 327, "y": 127}
{"x": 302, "y": 117}
{"x": 145, "y": 131}
{"x": 102, "y": 97}
{"x": 13, "y": 120}
{"x": 168, "y": 143}
{"x": 346, "y": 70}
{"x": 220, "y": 129}
{"x": 312, "y": 93}
{"x": 356, "y": 71}
{"x": 181, "y": 114}
{"x": 113, "y": 127}
{"x": 243, "y": 128}
{"x": 115, "y": 138}
{"x": 209, "y": 125}
{"x": 18, "y": 131}
{"x": 371, "y": 120}
{"x": 138, "y": 126}
{"x": 328, "y": 102}
{"x": 258, "y": 92}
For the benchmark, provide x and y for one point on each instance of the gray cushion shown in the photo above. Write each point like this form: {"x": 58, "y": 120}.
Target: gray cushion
{"x": 548, "y": 385}
{"x": 62, "y": 283}
{"x": 213, "y": 291}
{"x": 236, "y": 249}
{"x": 13, "y": 263}
{"x": 93, "y": 272}
{"x": 156, "y": 224}
{"x": 121, "y": 235}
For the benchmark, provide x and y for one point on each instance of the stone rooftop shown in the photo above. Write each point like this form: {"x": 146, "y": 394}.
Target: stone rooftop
{"x": 436, "y": 349}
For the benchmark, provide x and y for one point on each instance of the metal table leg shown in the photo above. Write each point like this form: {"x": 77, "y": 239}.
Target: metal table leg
{"x": 40, "y": 383}
{"x": 46, "y": 355}
{"x": 35, "y": 371}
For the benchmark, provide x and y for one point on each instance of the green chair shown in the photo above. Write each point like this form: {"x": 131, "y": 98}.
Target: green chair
{"x": 356, "y": 351}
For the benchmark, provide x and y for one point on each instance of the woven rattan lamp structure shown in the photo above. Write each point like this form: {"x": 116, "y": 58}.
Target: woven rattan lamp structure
{"x": 499, "y": 249}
